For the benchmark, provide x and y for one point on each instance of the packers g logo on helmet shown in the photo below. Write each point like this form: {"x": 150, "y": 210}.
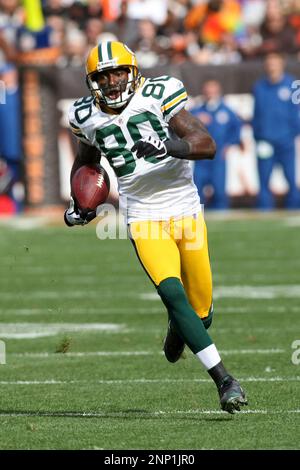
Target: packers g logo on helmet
{"x": 112, "y": 55}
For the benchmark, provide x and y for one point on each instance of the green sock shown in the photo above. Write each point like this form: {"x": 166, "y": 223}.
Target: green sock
{"x": 185, "y": 320}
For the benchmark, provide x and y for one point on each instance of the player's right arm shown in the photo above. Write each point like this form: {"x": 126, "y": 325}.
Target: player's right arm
{"x": 86, "y": 154}
{"x": 79, "y": 121}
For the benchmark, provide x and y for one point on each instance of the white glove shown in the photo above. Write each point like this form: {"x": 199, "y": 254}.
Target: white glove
{"x": 73, "y": 215}
{"x": 149, "y": 147}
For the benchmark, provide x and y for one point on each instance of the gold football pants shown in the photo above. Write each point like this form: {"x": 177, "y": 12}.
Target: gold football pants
{"x": 177, "y": 248}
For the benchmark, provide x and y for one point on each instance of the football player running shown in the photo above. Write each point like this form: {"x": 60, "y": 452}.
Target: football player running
{"x": 147, "y": 136}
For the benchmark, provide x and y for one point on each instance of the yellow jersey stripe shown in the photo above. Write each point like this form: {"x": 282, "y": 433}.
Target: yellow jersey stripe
{"x": 75, "y": 131}
{"x": 174, "y": 102}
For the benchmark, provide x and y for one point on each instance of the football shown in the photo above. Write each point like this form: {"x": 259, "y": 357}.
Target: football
{"x": 90, "y": 187}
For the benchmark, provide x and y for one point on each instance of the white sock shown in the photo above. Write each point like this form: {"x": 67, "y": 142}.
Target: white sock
{"x": 209, "y": 356}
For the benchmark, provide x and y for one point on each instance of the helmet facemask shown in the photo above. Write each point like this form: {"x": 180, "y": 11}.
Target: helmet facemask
{"x": 126, "y": 88}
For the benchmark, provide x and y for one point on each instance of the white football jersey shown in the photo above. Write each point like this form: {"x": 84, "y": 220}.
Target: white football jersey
{"x": 150, "y": 188}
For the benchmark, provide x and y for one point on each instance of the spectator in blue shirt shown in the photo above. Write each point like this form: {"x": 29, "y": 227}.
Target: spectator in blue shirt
{"x": 276, "y": 124}
{"x": 10, "y": 103}
{"x": 225, "y": 127}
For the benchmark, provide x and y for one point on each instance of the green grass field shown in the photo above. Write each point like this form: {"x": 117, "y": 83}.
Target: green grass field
{"x": 65, "y": 290}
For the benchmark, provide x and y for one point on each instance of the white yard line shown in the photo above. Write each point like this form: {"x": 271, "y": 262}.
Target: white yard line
{"x": 292, "y": 221}
{"x": 24, "y": 222}
{"x": 85, "y": 354}
{"x": 225, "y": 352}
{"x": 230, "y": 330}
{"x": 51, "y": 270}
{"x": 119, "y": 414}
{"x": 236, "y": 291}
{"x": 82, "y": 311}
{"x": 39, "y": 330}
{"x": 139, "y": 310}
{"x": 220, "y": 292}
{"x": 245, "y": 292}
{"x": 141, "y": 381}
{"x": 232, "y": 352}
{"x": 21, "y": 331}
{"x": 258, "y": 292}
{"x": 71, "y": 294}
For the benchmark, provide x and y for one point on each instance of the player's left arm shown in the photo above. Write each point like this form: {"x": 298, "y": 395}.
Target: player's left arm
{"x": 194, "y": 142}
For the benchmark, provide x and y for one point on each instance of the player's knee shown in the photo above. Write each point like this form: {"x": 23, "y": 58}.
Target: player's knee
{"x": 171, "y": 292}
{"x": 207, "y": 321}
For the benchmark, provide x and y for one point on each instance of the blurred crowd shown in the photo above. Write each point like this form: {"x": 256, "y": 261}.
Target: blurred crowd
{"x": 159, "y": 31}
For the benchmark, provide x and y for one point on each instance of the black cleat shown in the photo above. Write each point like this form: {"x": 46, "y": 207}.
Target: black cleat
{"x": 232, "y": 396}
{"x": 173, "y": 345}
